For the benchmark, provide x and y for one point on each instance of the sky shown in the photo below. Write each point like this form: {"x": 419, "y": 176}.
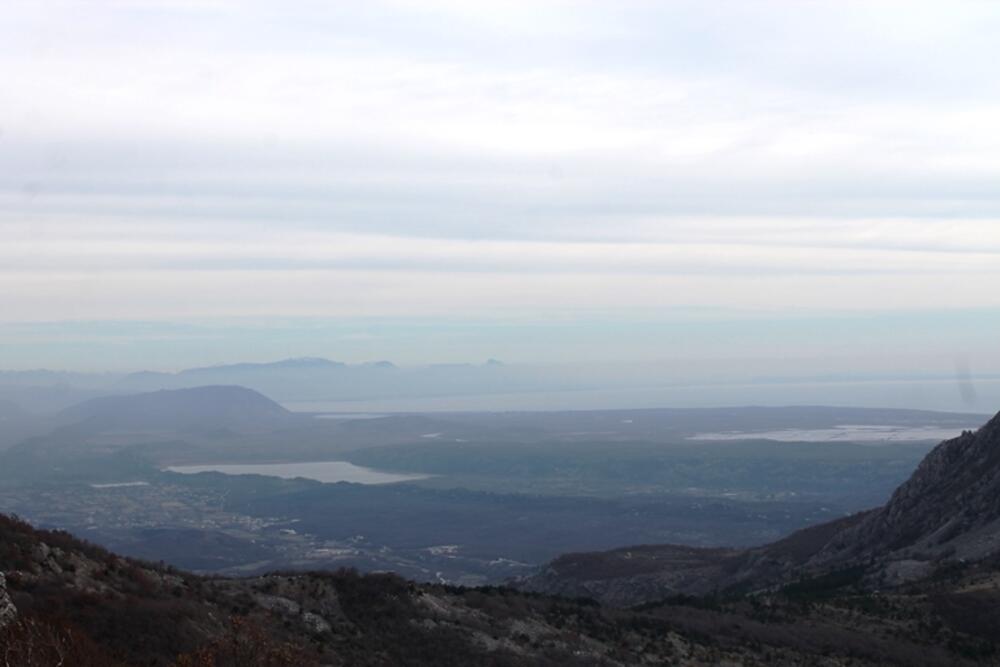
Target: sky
{"x": 814, "y": 185}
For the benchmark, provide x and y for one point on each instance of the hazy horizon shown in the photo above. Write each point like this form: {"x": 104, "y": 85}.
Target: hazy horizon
{"x": 316, "y": 385}
{"x": 806, "y": 190}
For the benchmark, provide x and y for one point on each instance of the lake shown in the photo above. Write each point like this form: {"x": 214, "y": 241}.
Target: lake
{"x": 860, "y": 433}
{"x": 321, "y": 471}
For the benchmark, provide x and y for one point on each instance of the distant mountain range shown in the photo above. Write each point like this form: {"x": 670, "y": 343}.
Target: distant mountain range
{"x": 315, "y": 383}
{"x": 288, "y": 380}
{"x": 312, "y": 378}
{"x": 297, "y": 364}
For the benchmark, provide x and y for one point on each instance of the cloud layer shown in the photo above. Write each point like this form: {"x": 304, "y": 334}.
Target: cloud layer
{"x": 174, "y": 160}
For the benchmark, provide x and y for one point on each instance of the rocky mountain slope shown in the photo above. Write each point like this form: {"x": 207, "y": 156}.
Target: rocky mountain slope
{"x": 81, "y": 605}
{"x": 948, "y": 509}
{"x": 7, "y": 609}
{"x": 948, "y": 512}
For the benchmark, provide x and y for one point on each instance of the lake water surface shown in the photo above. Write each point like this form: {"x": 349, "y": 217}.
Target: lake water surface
{"x": 860, "y": 433}
{"x": 321, "y": 471}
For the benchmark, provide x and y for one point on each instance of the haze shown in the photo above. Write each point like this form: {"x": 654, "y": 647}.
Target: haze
{"x": 785, "y": 190}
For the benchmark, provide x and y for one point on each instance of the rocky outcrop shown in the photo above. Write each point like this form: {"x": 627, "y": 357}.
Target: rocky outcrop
{"x": 948, "y": 509}
{"x": 7, "y": 609}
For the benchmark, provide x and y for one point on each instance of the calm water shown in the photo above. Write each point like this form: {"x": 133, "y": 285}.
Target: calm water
{"x": 865, "y": 433}
{"x": 321, "y": 471}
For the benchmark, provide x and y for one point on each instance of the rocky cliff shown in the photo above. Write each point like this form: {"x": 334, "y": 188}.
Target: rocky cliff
{"x": 7, "y": 609}
{"x": 949, "y": 509}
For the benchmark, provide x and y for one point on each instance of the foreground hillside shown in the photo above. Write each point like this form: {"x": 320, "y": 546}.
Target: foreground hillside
{"x": 67, "y": 602}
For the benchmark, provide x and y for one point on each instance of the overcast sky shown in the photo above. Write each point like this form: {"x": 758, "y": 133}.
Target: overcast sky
{"x": 434, "y": 181}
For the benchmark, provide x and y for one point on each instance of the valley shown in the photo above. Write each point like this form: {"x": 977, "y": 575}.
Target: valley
{"x": 462, "y": 498}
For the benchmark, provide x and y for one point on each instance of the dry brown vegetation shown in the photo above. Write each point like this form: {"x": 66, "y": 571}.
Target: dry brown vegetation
{"x": 81, "y": 605}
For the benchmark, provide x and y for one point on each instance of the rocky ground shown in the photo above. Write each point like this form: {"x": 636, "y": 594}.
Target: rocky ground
{"x": 81, "y": 605}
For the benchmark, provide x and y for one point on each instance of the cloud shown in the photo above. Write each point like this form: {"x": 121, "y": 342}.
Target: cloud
{"x": 181, "y": 159}
{"x": 671, "y": 246}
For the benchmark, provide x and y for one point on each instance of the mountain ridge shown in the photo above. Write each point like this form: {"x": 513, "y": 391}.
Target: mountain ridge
{"x": 953, "y": 494}
{"x": 215, "y": 406}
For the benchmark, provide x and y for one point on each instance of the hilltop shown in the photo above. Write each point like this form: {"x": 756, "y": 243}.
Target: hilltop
{"x": 207, "y": 407}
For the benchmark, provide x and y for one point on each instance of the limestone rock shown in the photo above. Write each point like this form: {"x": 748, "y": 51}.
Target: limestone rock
{"x": 7, "y": 609}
